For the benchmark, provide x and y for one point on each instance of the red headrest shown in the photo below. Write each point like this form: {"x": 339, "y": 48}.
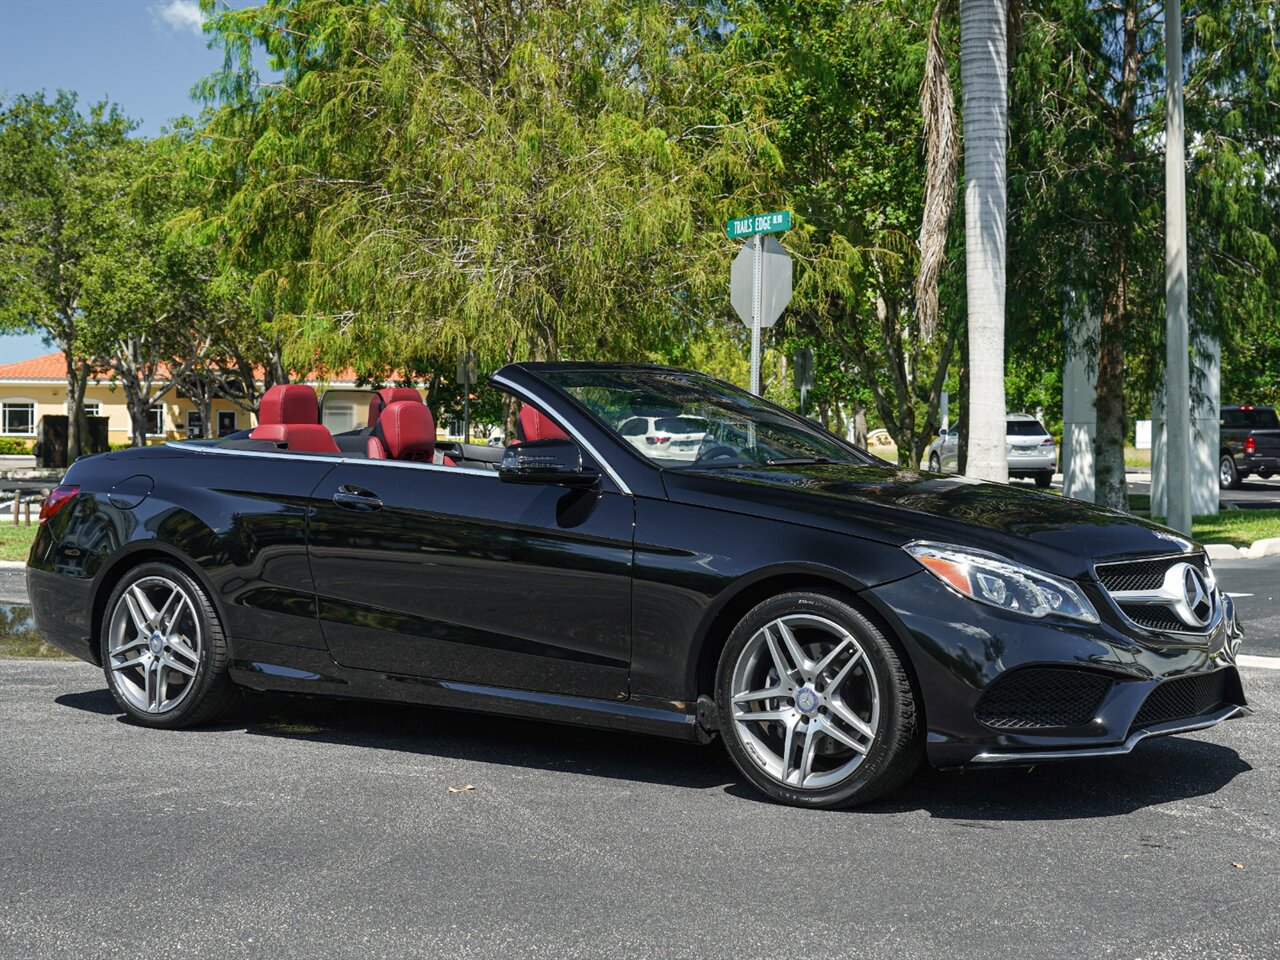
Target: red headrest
{"x": 407, "y": 431}
{"x": 387, "y": 396}
{"x": 303, "y": 437}
{"x": 289, "y": 403}
{"x": 535, "y": 425}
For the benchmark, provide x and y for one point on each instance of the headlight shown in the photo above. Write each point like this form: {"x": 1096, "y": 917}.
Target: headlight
{"x": 992, "y": 580}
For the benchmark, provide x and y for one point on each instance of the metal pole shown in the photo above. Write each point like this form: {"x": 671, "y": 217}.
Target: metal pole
{"x": 757, "y": 294}
{"x": 466, "y": 414}
{"x": 1177, "y": 378}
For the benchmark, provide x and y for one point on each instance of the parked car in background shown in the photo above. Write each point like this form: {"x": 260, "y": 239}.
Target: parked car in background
{"x": 1031, "y": 451}
{"x": 1249, "y": 438}
{"x": 670, "y": 437}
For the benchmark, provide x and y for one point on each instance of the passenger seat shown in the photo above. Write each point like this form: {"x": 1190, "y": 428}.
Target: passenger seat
{"x": 289, "y": 413}
{"x": 405, "y": 430}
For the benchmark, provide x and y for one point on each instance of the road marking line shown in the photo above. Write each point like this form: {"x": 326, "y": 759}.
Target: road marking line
{"x": 1266, "y": 663}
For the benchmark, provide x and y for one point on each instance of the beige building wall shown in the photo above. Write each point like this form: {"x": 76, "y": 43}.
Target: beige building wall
{"x": 51, "y": 399}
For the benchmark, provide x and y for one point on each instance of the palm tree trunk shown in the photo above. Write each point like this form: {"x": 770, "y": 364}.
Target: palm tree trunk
{"x": 984, "y": 67}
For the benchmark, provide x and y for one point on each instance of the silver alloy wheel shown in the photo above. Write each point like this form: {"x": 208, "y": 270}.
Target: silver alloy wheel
{"x": 806, "y": 703}
{"x": 1225, "y": 472}
{"x": 154, "y": 645}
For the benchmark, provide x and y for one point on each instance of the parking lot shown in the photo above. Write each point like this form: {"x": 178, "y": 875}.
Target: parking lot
{"x": 310, "y": 828}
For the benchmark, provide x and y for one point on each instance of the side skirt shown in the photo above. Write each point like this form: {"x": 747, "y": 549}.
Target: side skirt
{"x": 260, "y": 665}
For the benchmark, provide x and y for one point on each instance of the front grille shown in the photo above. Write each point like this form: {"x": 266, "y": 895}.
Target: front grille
{"x": 1042, "y": 697}
{"x": 1143, "y": 574}
{"x": 1153, "y": 618}
{"x": 1183, "y": 698}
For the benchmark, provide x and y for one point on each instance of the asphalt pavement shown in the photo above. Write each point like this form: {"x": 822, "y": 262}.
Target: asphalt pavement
{"x": 327, "y": 829}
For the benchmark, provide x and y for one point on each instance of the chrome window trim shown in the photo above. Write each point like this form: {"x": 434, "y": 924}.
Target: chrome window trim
{"x": 335, "y": 460}
{"x": 567, "y": 424}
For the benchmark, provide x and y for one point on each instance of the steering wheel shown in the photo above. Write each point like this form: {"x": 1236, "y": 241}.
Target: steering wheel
{"x": 718, "y": 452}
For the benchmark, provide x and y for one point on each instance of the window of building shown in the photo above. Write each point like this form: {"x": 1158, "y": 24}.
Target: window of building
{"x": 194, "y": 432}
{"x": 155, "y": 421}
{"x": 93, "y": 408}
{"x": 18, "y": 418}
{"x": 226, "y": 422}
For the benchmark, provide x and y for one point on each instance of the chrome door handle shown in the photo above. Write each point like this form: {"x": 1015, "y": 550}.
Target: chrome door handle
{"x": 355, "y": 498}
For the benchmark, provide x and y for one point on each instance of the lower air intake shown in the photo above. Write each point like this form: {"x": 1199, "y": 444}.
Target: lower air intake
{"x": 1042, "y": 697}
{"x": 1183, "y": 698}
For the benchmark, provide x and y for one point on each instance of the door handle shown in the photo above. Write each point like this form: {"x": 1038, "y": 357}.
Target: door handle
{"x": 356, "y": 498}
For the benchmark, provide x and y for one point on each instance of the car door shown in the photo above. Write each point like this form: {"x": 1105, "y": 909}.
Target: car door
{"x": 950, "y": 455}
{"x": 450, "y": 573}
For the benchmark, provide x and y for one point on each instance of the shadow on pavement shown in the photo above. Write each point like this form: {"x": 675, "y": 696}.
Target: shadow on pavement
{"x": 1158, "y": 771}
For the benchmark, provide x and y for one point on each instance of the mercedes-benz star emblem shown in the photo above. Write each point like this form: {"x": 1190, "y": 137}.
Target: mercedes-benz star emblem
{"x": 1199, "y": 602}
{"x": 806, "y": 700}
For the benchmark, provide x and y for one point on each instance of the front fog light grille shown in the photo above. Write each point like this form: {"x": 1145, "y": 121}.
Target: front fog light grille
{"x": 1042, "y": 697}
{"x": 1183, "y": 698}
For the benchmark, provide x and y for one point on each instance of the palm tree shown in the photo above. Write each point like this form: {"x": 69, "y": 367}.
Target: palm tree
{"x": 984, "y": 69}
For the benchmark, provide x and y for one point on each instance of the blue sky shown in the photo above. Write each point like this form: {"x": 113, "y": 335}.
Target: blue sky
{"x": 142, "y": 54}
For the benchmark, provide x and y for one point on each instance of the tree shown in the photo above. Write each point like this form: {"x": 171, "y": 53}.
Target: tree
{"x": 146, "y": 297}
{"x": 53, "y": 161}
{"x": 984, "y": 69}
{"x": 845, "y": 92}
{"x": 531, "y": 179}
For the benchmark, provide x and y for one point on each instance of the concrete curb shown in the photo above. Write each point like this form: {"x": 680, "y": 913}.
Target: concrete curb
{"x": 11, "y": 564}
{"x": 1267, "y": 547}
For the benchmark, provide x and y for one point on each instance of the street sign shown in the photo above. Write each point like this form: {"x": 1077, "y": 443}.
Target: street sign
{"x": 467, "y": 368}
{"x": 758, "y": 223}
{"x": 775, "y": 286}
{"x": 760, "y": 289}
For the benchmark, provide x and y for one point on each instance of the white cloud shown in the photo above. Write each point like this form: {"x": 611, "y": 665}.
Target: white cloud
{"x": 180, "y": 15}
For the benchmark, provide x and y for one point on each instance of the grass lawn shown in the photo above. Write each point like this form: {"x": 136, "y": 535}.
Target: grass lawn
{"x": 1236, "y": 527}
{"x": 1133, "y": 457}
{"x": 15, "y": 541}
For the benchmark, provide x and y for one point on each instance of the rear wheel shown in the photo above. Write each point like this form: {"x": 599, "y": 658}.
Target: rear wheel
{"x": 1043, "y": 479}
{"x": 163, "y": 649}
{"x": 935, "y": 465}
{"x": 815, "y": 705}
{"x": 1228, "y": 475}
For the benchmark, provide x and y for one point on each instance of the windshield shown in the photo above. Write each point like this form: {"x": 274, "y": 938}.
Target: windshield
{"x": 681, "y": 420}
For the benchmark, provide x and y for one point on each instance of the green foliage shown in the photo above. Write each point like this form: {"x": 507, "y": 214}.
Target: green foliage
{"x": 521, "y": 179}
{"x": 13, "y": 446}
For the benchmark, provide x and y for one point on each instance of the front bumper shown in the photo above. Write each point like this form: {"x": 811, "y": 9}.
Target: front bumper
{"x": 958, "y": 649}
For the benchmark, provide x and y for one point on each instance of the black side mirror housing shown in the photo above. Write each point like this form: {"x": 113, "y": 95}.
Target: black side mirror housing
{"x": 547, "y": 461}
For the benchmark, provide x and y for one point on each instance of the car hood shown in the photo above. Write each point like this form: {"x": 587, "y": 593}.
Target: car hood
{"x": 895, "y": 505}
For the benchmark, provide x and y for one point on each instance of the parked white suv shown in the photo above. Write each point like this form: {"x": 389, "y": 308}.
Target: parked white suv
{"x": 669, "y": 438}
{"x": 1031, "y": 451}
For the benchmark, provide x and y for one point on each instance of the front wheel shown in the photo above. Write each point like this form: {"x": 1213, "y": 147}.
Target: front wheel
{"x": 935, "y": 465}
{"x": 815, "y": 705}
{"x": 1228, "y": 475}
{"x": 163, "y": 649}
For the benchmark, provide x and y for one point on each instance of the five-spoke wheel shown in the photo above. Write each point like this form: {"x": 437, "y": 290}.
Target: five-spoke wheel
{"x": 815, "y": 705}
{"x": 162, "y": 648}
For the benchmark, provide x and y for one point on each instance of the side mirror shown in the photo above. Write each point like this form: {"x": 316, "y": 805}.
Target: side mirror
{"x": 547, "y": 461}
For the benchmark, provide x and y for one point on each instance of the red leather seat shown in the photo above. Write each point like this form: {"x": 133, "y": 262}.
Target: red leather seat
{"x": 387, "y": 396}
{"x": 405, "y": 431}
{"x": 290, "y": 414}
{"x": 534, "y": 425}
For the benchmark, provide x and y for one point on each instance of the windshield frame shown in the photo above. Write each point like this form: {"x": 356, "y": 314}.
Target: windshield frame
{"x": 544, "y": 371}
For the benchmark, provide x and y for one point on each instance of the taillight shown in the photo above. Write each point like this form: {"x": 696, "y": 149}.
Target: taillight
{"x": 1047, "y": 442}
{"x": 657, "y": 439}
{"x": 1250, "y": 445}
{"x": 58, "y": 498}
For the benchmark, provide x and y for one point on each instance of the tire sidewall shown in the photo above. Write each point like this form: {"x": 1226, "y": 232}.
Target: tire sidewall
{"x": 1234, "y": 473}
{"x": 204, "y": 675}
{"x": 885, "y": 661}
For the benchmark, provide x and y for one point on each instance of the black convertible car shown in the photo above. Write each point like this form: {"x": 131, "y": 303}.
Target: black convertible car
{"x": 660, "y": 552}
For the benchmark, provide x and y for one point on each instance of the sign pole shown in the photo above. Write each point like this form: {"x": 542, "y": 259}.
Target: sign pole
{"x": 757, "y": 285}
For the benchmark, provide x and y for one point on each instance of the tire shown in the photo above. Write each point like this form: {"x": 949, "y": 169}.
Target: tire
{"x": 176, "y": 676}
{"x": 1043, "y": 480}
{"x": 1228, "y": 476}
{"x": 935, "y": 465}
{"x": 828, "y": 773}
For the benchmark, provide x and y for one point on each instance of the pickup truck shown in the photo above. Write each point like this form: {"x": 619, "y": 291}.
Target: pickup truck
{"x": 1250, "y": 441}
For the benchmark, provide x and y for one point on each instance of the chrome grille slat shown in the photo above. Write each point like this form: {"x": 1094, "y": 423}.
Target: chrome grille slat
{"x": 1125, "y": 582}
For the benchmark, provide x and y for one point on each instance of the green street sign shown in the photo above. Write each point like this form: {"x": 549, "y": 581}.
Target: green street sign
{"x": 760, "y": 223}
